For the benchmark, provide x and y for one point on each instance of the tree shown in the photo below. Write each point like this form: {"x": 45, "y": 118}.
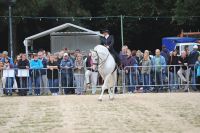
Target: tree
{"x": 186, "y": 8}
{"x": 33, "y": 8}
{"x": 136, "y": 28}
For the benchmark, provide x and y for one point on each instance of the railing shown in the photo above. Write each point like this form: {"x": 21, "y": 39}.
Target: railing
{"x": 159, "y": 78}
{"x": 65, "y": 81}
{"x": 38, "y": 81}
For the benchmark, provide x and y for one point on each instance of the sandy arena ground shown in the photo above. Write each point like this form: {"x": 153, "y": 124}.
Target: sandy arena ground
{"x": 134, "y": 113}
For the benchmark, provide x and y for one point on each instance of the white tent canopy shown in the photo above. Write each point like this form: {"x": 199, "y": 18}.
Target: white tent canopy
{"x": 55, "y": 29}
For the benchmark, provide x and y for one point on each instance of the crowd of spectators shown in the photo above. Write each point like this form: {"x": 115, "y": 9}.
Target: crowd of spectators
{"x": 46, "y": 71}
{"x": 163, "y": 69}
{"x": 73, "y": 72}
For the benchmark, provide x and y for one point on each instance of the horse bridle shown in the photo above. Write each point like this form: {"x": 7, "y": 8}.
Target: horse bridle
{"x": 99, "y": 58}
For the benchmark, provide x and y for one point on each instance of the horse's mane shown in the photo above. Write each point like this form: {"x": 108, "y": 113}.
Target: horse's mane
{"x": 102, "y": 51}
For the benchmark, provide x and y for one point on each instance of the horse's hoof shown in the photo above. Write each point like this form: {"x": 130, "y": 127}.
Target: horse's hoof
{"x": 100, "y": 100}
{"x": 112, "y": 98}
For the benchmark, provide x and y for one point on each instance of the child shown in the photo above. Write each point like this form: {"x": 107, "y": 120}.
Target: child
{"x": 9, "y": 80}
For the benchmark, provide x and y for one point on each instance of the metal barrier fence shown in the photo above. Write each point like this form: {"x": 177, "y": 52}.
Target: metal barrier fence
{"x": 160, "y": 78}
{"x": 44, "y": 81}
{"x": 65, "y": 81}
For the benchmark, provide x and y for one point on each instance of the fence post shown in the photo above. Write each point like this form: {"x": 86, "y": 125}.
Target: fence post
{"x": 123, "y": 81}
{"x": 60, "y": 82}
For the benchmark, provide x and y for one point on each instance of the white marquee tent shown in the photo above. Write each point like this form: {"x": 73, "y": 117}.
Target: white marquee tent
{"x": 29, "y": 40}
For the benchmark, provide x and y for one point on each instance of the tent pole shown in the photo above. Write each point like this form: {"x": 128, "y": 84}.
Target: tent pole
{"x": 122, "y": 30}
{"x": 26, "y": 47}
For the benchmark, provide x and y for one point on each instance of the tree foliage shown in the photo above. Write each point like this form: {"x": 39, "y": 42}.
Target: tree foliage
{"x": 134, "y": 29}
{"x": 187, "y": 8}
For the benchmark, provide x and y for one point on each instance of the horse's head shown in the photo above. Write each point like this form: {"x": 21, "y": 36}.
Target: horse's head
{"x": 94, "y": 56}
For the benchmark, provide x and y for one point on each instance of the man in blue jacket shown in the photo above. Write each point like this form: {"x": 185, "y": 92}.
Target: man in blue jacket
{"x": 159, "y": 67}
{"x": 193, "y": 57}
{"x": 44, "y": 81}
{"x": 66, "y": 66}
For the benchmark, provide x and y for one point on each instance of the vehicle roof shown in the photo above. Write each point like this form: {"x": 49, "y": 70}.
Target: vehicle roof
{"x": 183, "y": 44}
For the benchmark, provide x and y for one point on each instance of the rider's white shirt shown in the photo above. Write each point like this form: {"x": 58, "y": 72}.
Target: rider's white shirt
{"x": 106, "y": 36}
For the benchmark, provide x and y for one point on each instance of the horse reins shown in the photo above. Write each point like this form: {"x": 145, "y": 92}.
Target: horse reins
{"x": 100, "y": 64}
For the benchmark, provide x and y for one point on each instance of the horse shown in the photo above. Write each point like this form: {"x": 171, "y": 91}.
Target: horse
{"x": 107, "y": 68}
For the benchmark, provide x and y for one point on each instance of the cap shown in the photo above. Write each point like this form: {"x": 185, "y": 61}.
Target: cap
{"x": 195, "y": 47}
{"x": 5, "y": 52}
{"x": 65, "y": 54}
{"x": 35, "y": 54}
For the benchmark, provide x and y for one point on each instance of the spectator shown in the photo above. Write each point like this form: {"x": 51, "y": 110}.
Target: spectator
{"x": 71, "y": 83}
{"x": 23, "y": 63}
{"x": 131, "y": 71}
{"x": 139, "y": 56}
{"x": 91, "y": 73}
{"x": 126, "y": 47}
{"x": 159, "y": 65}
{"x": 79, "y": 74}
{"x": 17, "y": 79}
{"x": 123, "y": 56}
{"x": 173, "y": 69}
{"x": 9, "y": 80}
{"x": 8, "y": 64}
{"x": 187, "y": 50}
{"x": 165, "y": 53}
{"x": 44, "y": 81}
{"x": 17, "y": 60}
{"x": 183, "y": 61}
{"x": 192, "y": 58}
{"x": 1, "y": 56}
{"x": 134, "y": 53}
{"x": 36, "y": 66}
{"x": 52, "y": 75}
{"x": 56, "y": 59}
{"x": 197, "y": 66}
{"x": 66, "y": 66}
{"x": 5, "y": 57}
{"x": 76, "y": 52}
{"x": 146, "y": 69}
{"x": 1, "y": 85}
{"x": 60, "y": 56}
{"x": 150, "y": 55}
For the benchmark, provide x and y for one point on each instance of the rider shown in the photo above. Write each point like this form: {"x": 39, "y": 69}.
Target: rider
{"x": 108, "y": 41}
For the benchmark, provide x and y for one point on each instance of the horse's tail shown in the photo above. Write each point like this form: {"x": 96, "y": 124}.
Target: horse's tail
{"x": 116, "y": 80}
{"x": 116, "y": 67}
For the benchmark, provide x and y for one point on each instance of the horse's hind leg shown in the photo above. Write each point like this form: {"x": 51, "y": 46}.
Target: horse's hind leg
{"x": 110, "y": 94}
{"x": 114, "y": 84}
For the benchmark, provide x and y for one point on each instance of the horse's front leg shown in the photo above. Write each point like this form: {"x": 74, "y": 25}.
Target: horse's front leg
{"x": 105, "y": 84}
{"x": 102, "y": 92}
